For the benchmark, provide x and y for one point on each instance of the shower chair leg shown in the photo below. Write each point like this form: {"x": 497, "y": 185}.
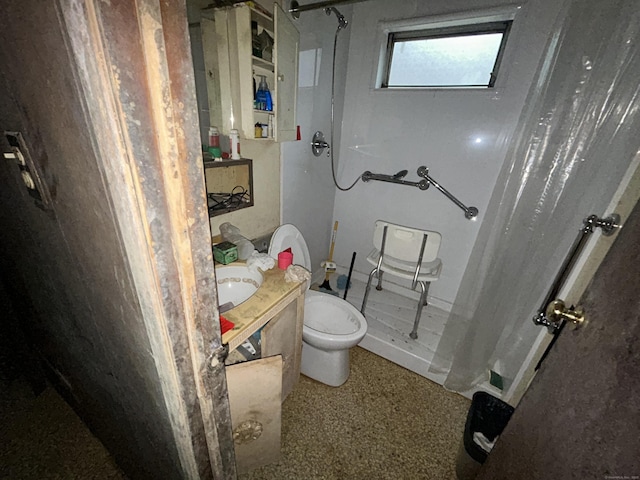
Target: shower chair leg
{"x": 379, "y": 286}
{"x": 424, "y": 286}
{"x": 366, "y": 290}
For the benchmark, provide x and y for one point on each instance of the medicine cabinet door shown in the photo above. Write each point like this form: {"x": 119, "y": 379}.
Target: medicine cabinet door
{"x": 287, "y": 46}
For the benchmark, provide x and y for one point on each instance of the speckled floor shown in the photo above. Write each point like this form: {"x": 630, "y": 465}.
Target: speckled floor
{"x": 42, "y": 438}
{"x": 386, "y": 422}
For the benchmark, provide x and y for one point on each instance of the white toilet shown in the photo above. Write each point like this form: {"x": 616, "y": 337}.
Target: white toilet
{"x": 331, "y": 325}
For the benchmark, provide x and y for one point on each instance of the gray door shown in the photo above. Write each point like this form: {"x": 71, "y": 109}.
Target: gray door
{"x": 581, "y": 416}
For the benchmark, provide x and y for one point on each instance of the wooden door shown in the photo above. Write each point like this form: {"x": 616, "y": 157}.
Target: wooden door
{"x": 581, "y": 416}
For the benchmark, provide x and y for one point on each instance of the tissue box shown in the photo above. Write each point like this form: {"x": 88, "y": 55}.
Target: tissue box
{"x": 225, "y": 252}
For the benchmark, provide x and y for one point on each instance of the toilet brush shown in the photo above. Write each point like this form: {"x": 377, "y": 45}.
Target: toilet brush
{"x": 329, "y": 266}
{"x": 346, "y": 288}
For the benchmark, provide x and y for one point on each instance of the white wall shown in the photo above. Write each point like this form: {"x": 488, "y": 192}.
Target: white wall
{"x": 307, "y": 188}
{"x": 386, "y": 131}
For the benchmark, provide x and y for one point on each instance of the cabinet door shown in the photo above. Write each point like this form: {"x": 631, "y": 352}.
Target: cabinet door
{"x": 283, "y": 335}
{"x": 286, "y": 47}
{"x": 242, "y": 70}
{"x": 255, "y": 390}
{"x": 217, "y": 70}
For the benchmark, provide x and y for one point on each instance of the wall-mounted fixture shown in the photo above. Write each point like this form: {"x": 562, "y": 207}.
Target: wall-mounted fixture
{"x": 469, "y": 212}
{"x": 296, "y": 8}
{"x": 318, "y": 144}
{"x": 30, "y": 171}
{"x": 553, "y": 312}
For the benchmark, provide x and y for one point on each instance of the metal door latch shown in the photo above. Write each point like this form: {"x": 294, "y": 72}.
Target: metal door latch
{"x": 557, "y": 312}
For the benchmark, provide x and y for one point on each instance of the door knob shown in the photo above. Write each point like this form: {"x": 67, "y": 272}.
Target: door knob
{"x": 558, "y": 311}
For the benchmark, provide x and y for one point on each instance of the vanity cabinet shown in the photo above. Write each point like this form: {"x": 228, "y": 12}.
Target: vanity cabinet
{"x": 232, "y": 70}
{"x": 257, "y": 388}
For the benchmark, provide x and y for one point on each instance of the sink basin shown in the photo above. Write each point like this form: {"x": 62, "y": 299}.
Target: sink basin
{"x": 236, "y": 284}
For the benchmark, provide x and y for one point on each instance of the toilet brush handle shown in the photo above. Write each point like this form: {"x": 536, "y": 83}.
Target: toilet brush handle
{"x": 346, "y": 289}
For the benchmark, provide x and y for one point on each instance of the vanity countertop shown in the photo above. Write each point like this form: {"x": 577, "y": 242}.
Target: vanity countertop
{"x": 272, "y": 296}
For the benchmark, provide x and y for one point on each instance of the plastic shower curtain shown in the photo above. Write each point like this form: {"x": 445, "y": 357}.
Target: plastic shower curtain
{"x": 574, "y": 142}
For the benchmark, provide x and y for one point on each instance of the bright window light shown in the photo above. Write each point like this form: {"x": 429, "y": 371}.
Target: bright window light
{"x": 456, "y": 57}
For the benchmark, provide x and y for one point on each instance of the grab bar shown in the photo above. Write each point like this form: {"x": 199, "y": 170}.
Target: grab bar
{"x": 608, "y": 226}
{"x": 469, "y": 212}
{"x": 366, "y": 176}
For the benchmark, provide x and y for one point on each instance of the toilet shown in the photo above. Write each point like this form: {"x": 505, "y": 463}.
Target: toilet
{"x": 331, "y": 325}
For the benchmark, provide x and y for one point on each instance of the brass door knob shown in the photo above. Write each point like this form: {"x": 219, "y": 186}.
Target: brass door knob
{"x": 558, "y": 311}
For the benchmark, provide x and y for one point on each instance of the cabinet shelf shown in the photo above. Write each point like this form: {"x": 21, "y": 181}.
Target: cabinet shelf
{"x": 229, "y": 185}
{"x": 261, "y": 63}
{"x": 258, "y": 15}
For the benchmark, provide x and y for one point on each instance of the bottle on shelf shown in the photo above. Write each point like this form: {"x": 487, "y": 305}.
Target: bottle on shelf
{"x": 263, "y": 95}
{"x": 214, "y": 137}
{"x": 234, "y": 139}
{"x": 214, "y": 143}
{"x": 255, "y": 95}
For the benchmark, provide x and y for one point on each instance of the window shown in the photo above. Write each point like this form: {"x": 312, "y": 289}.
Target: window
{"x": 464, "y": 56}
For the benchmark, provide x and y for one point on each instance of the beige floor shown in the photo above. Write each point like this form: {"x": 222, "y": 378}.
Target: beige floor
{"x": 384, "y": 423}
{"x": 42, "y": 438}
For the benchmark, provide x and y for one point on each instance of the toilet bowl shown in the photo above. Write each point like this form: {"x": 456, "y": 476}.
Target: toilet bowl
{"x": 331, "y": 325}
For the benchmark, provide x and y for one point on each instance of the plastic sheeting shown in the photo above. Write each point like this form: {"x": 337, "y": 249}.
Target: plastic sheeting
{"x": 572, "y": 148}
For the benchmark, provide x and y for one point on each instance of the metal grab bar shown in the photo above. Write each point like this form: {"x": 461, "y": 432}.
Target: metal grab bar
{"x": 469, "y": 212}
{"x": 366, "y": 176}
{"x": 608, "y": 226}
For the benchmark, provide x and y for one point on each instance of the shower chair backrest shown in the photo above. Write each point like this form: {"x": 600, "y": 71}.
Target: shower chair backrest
{"x": 404, "y": 243}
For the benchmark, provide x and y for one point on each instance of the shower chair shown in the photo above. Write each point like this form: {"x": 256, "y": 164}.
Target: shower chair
{"x": 407, "y": 253}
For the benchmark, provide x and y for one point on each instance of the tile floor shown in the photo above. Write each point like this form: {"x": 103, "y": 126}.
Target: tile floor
{"x": 42, "y": 438}
{"x": 386, "y": 422}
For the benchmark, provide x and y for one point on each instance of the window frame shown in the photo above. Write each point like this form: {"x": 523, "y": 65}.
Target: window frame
{"x": 482, "y": 26}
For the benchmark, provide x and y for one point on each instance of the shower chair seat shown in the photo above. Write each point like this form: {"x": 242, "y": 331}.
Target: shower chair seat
{"x": 407, "y": 253}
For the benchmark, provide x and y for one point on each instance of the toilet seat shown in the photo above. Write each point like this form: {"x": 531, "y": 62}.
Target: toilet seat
{"x": 330, "y": 321}
{"x": 334, "y": 319}
{"x": 288, "y": 236}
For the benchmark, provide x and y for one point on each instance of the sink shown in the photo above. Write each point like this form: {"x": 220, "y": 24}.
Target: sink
{"x": 236, "y": 284}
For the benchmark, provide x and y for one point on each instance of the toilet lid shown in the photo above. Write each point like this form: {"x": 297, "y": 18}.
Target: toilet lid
{"x": 288, "y": 236}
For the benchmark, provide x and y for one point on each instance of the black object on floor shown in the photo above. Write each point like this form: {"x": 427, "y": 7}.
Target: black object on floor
{"x": 489, "y": 416}
{"x": 346, "y": 289}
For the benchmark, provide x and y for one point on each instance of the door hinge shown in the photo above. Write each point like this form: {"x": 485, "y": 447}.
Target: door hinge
{"x": 218, "y": 356}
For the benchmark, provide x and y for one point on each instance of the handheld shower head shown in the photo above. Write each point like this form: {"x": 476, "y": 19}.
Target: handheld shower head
{"x": 342, "y": 22}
